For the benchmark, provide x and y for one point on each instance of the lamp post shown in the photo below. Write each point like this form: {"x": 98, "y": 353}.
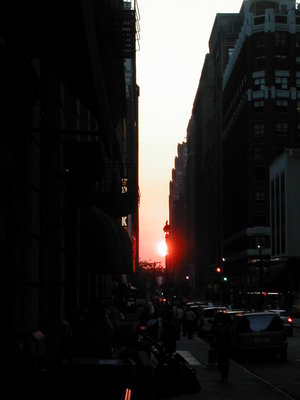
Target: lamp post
{"x": 261, "y": 301}
{"x": 166, "y": 230}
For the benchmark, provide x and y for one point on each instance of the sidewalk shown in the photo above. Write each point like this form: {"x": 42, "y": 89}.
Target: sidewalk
{"x": 240, "y": 385}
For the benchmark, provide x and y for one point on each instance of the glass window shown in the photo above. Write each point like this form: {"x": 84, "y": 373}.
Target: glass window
{"x": 280, "y": 39}
{"x": 258, "y": 129}
{"x": 282, "y": 128}
{"x": 259, "y": 106}
{"x": 259, "y": 83}
{"x": 281, "y": 82}
{"x": 282, "y": 105}
{"x": 259, "y": 195}
{"x": 267, "y": 322}
{"x": 257, "y": 152}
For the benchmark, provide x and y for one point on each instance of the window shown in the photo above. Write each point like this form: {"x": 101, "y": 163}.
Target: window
{"x": 280, "y": 39}
{"x": 297, "y": 60}
{"x": 281, "y": 82}
{"x": 298, "y": 40}
{"x": 298, "y": 107}
{"x": 259, "y": 196}
{"x": 258, "y": 129}
{"x": 259, "y": 20}
{"x": 259, "y": 173}
{"x": 259, "y": 83}
{"x": 280, "y": 19}
{"x": 258, "y": 105}
{"x": 282, "y": 105}
{"x": 260, "y": 61}
{"x": 257, "y": 152}
{"x": 280, "y": 57}
{"x": 297, "y": 82}
{"x": 282, "y": 128}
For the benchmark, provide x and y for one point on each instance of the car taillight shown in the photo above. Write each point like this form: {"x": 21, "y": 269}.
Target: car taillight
{"x": 290, "y": 320}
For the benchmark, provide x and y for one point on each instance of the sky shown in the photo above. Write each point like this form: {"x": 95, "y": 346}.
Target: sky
{"x": 174, "y": 36}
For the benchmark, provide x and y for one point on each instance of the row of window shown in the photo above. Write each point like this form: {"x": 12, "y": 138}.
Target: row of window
{"x": 281, "y": 127}
{"x": 279, "y": 60}
{"x": 281, "y": 82}
{"x": 282, "y": 105}
{"x": 281, "y": 40}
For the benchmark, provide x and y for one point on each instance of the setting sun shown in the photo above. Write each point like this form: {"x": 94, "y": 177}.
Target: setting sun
{"x": 162, "y": 248}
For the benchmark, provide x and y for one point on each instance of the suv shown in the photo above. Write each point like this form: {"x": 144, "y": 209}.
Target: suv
{"x": 260, "y": 331}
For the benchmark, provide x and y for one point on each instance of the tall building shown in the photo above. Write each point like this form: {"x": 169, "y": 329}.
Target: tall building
{"x": 177, "y": 265}
{"x": 254, "y": 56}
{"x": 68, "y": 169}
{"x": 285, "y": 222}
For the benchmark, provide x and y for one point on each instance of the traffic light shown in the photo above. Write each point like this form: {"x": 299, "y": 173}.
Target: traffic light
{"x": 219, "y": 270}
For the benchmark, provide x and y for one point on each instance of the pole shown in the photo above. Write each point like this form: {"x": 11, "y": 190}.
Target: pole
{"x": 260, "y": 278}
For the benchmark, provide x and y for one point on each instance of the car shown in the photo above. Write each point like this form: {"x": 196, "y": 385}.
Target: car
{"x": 287, "y": 320}
{"x": 258, "y": 333}
{"x": 206, "y": 319}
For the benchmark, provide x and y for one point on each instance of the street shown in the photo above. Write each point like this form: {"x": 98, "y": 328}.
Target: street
{"x": 260, "y": 379}
{"x": 284, "y": 375}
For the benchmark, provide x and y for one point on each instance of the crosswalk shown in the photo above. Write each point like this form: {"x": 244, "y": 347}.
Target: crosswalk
{"x": 188, "y": 357}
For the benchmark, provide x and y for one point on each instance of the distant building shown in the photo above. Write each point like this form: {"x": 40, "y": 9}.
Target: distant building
{"x": 176, "y": 261}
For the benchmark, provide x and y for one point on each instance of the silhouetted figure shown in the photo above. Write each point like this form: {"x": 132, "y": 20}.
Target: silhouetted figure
{"x": 169, "y": 332}
{"x": 190, "y": 322}
{"x": 222, "y": 340}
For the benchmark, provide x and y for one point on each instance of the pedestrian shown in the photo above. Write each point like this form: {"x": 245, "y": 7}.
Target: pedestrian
{"x": 223, "y": 337}
{"x": 190, "y": 322}
{"x": 169, "y": 332}
{"x": 179, "y": 317}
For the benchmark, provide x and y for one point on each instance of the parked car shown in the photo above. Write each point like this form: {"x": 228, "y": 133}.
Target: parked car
{"x": 287, "y": 320}
{"x": 206, "y": 319}
{"x": 260, "y": 332}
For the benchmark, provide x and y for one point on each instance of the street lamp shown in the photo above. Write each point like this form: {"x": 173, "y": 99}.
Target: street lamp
{"x": 166, "y": 230}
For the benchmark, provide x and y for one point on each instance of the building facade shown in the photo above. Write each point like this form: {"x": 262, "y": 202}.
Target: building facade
{"x": 68, "y": 165}
{"x": 252, "y": 86}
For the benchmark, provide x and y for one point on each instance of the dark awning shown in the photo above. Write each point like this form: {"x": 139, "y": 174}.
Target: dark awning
{"x": 104, "y": 245}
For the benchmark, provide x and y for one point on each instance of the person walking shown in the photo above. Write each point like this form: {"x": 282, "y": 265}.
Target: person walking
{"x": 190, "y": 322}
{"x": 223, "y": 337}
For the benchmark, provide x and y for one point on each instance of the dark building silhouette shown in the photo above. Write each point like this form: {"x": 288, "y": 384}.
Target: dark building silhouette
{"x": 68, "y": 164}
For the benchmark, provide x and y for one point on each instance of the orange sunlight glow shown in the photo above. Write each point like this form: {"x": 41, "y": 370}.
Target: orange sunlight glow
{"x": 162, "y": 248}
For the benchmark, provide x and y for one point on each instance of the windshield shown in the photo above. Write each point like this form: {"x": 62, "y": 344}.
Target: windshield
{"x": 259, "y": 323}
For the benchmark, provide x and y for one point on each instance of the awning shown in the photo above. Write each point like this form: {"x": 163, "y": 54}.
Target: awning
{"x": 104, "y": 245}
